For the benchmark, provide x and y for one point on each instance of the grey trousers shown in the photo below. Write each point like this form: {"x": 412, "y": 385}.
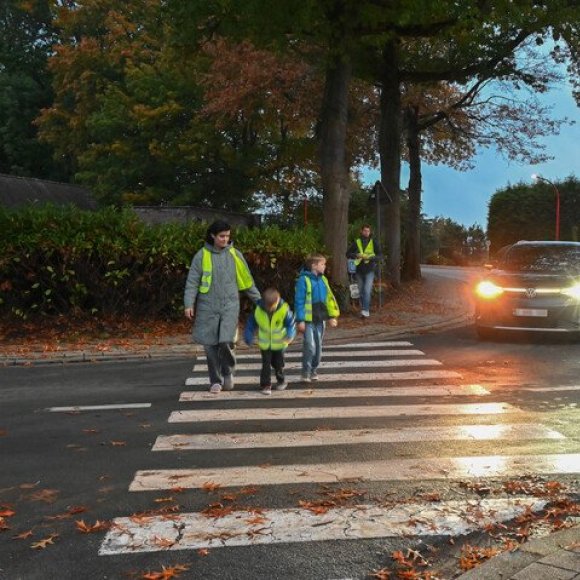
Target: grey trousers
{"x": 221, "y": 361}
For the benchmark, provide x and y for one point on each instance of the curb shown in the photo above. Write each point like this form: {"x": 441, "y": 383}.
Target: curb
{"x": 189, "y": 350}
{"x": 556, "y": 556}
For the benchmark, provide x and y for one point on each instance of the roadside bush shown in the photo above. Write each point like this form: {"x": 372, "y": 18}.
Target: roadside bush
{"x": 64, "y": 261}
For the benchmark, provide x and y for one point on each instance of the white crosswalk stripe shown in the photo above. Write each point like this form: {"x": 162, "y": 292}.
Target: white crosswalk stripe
{"x": 349, "y": 377}
{"x": 331, "y": 354}
{"x": 467, "y": 422}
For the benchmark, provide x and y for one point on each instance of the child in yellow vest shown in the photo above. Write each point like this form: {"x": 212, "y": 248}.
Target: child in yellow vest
{"x": 274, "y": 322}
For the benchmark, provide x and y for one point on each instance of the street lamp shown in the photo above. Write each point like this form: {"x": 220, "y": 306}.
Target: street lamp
{"x": 537, "y": 177}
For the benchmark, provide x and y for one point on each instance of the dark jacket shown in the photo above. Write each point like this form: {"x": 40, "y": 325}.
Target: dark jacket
{"x": 370, "y": 265}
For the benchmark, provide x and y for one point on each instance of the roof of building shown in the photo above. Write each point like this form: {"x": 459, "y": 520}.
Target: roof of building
{"x": 17, "y": 191}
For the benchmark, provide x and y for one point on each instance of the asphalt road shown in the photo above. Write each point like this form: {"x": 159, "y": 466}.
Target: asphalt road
{"x": 434, "y": 446}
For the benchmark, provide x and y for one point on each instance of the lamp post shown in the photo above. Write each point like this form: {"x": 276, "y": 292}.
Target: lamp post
{"x": 537, "y": 177}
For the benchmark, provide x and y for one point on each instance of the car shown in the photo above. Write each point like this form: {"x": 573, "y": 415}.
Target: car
{"x": 533, "y": 287}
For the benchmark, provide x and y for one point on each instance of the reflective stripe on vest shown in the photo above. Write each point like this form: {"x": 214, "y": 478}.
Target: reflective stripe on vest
{"x": 331, "y": 303}
{"x": 244, "y": 278}
{"x": 369, "y": 250}
{"x": 271, "y": 331}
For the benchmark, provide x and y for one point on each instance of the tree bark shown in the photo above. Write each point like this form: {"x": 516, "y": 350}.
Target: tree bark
{"x": 390, "y": 155}
{"x": 334, "y": 168}
{"x": 412, "y": 261}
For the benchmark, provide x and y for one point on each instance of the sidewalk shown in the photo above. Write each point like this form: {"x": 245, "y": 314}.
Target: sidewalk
{"x": 434, "y": 304}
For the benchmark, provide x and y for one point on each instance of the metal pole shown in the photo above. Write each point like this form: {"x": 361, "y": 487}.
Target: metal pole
{"x": 378, "y": 204}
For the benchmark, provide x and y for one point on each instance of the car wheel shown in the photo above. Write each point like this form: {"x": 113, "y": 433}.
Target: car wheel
{"x": 484, "y": 333}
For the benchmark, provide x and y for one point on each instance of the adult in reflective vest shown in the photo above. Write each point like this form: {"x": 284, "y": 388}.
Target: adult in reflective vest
{"x": 275, "y": 324}
{"x": 314, "y": 304}
{"x": 365, "y": 252}
{"x": 217, "y": 275}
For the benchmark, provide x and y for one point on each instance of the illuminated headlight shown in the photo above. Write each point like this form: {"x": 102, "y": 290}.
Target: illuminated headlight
{"x": 573, "y": 291}
{"x": 488, "y": 290}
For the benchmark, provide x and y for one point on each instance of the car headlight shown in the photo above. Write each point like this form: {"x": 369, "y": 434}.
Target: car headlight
{"x": 572, "y": 291}
{"x": 488, "y": 290}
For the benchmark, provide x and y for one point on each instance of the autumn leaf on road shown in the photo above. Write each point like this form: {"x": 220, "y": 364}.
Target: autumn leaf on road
{"x": 382, "y": 574}
{"x": 203, "y": 552}
{"x": 118, "y": 443}
{"x": 42, "y": 544}
{"x": 166, "y": 573}
{"x": 3, "y": 432}
{"x": 85, "y": 528}
{"x": 45, "y": 495}
{"x": 210, "y": 486}
{"x": 23, "y": 535}
{"x": 6, "y": 512}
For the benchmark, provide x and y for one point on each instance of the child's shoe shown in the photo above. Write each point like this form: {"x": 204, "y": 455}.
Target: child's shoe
{"x": 228, "y": 382}
{"x": 267, "y": 390}
{"x": 305, "y": 378}
{"x": 281, "y": 385}
{"x": 314, "y": 376}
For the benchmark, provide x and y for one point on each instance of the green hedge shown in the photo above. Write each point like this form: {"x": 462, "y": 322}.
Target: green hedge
{"x": 64, "y": 261}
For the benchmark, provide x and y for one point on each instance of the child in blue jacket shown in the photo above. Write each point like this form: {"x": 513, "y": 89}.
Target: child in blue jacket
{"x": 274, "y": 322}
{"x": 314, "y": 303}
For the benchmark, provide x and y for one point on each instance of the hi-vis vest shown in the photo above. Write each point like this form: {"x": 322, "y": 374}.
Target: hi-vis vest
{"x": 271, "y": 331}
{"x": 369, "y": 251}
{"x": 243, "y": 277}
{"x": 331, "y": 303}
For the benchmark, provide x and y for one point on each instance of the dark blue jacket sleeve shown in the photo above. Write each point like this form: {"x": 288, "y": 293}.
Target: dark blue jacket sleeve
{"x": 290, "y": 324}
{"x": 250, "y": 329}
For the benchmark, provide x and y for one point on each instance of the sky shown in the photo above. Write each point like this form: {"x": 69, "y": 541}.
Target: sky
{"x": 464, "y": 196}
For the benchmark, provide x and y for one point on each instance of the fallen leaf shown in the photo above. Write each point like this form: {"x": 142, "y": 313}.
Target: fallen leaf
{"x": 166, "y": 573}
{"x": 42, "y": 544}
{"x": 3, "y": 432}
{"x": 118, "y": 443}
{"x": 98, "y": 526}
{"x": 45, "y": 495}
{"x": 163, "y": 500}
{"x": 23, "y": 535}
{"x": 210, "y": 486}
{"x": 6, "y": 512}
{"x": 203, "y": 552}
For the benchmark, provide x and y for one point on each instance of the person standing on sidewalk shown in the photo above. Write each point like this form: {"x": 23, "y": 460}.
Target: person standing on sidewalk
{"x": 314, "y": 304}
{"x": 276, "y": 328}
{"x": 365, "y": 252}
{"x": 218, "y": 273}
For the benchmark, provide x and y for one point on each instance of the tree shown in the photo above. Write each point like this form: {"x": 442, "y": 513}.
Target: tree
{"x": 26, "y": 37}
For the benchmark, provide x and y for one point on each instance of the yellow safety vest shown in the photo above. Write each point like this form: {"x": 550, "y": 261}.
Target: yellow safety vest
{"x": 271, "y": 331}
{"x": 331, "y": 303}
{"x": 243, "y": 276}
{"x": 369, "y": 251}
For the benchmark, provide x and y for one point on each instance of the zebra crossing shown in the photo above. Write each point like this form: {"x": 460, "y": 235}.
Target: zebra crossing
{"x": 367, "y": 393}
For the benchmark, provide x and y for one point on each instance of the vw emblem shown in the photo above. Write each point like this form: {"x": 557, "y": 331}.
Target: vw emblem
{"x": 530, "y": 292}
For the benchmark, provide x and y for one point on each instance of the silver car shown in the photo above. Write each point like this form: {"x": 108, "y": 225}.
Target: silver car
{"x": 534, "y": 286}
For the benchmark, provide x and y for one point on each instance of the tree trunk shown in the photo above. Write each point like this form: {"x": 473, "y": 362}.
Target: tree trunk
{"x": 390, "y": 154}
{"x": 412, "y": 262}
{"x": 334, "y": 168}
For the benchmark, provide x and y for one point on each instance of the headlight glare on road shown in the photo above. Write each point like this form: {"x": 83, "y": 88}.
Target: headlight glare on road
{"x": 488, "y": 290}
{"x": 573, "y": 291}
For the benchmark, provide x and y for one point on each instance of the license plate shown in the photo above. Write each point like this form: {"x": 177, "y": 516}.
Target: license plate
{"x": 530, "y": 312}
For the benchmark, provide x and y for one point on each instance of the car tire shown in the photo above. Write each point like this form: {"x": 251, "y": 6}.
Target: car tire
{"x": 484, "y": 333}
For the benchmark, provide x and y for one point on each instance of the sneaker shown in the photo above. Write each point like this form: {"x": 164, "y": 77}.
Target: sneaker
{"x": 305, "y": 378}
{"x": 314, "y": 376}
{"x": 215, "y": 388}
{"x": 280, "y": 386}
{"x": 228, "y": 382}
{"x": 365, "y": 313}
{"x": 267, "y": 390}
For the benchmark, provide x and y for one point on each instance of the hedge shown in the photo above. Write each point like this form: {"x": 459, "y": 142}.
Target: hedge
{"x": 65, "y": 261}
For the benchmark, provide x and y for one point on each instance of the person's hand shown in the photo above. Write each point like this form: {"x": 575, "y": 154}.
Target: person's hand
{"x": 189, "y": 313}
{"x": 301, "y": 326}
{"x": 333, "y": 322}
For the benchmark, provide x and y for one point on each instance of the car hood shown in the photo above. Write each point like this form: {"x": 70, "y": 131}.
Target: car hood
{"x": 507, "y": 279}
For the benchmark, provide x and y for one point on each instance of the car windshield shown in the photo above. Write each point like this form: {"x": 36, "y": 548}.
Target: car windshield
{"x": 543, "y": 259}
